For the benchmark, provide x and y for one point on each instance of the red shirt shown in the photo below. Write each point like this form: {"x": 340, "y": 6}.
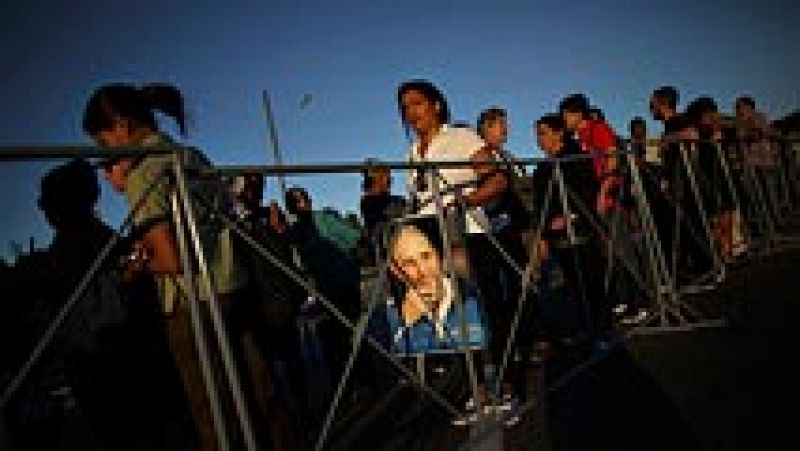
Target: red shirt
{"x": 596, "y": 138}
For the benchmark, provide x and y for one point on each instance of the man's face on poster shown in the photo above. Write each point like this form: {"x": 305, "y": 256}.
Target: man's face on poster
{"x": 417, "y": 263}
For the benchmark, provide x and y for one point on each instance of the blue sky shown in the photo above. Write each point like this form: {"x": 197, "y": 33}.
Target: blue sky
{"x": 351, "y": 55}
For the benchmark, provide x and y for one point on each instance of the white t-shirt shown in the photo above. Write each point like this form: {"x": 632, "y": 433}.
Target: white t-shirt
{"x": 652, "y": 152}
{"x": 449, "y": 144}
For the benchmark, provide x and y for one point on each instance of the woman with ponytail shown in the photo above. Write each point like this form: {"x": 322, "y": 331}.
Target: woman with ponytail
{"x": 123, "y": 116}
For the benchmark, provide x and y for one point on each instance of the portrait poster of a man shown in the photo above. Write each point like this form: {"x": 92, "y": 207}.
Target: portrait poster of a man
{"x": 427, "y": 315}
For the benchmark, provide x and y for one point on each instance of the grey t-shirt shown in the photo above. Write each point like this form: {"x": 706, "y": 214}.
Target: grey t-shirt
{"x": 226, "y": 270}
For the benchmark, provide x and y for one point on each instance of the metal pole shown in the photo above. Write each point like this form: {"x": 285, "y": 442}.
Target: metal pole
{"x": 665, "y": 287}
{"x": 760, "y": 206}
{"x": 701, "y": 209}
{"x": 57, "y": 322}
{"x": 342, "y": 168}
{"x": 573, "y": 244}
{"x": 526, "y": 278}
{"x": 198, "y": 329}
{"x": 559, "y": 176}
{"x": 612, "y": 251}
{"x": 273, "y": 135}
{"x": 433, "y": 182}
{"x": 217, "y": 322}
{"x": 358, "y": 334}
{"x": 726, "y": 172}
{"x": 484, "y": 223}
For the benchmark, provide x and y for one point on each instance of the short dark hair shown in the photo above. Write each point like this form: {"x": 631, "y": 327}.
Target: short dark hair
{"x": 461, "y": 124}
{"x": 291, "y": 201}
{"x": 598, "y": 112}
{"x": 698, "y": 107}
{"x": 430, "y": 92}
{"x": 636, "y": 121}
{"x": 73, "y": 185}
{"x": 490, "y": 114}
{"x": 667, "y": 94}
{"x": 747, "y": 100}
{"x": 552, "y": 120}
{"x": 374, "y": 168}
{"x": 574, "y": 103}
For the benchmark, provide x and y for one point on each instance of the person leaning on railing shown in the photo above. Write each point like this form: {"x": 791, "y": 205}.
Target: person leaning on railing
{"x": 509, "y": 216}
{"x": 568, "y": 236}
{"x": 122, "y": 116}
{"x": 717, "y": 199}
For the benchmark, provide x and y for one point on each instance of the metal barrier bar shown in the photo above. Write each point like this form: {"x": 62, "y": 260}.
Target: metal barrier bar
{"x": 338, "y": 314}
{"x": 217, "y": 321}
{"x": 28, "y": 153}
{"x": 447, "y": 240}
{"x": 358, "y": 334}
{"x": 655, "y": 254}
{"x": 522, "y": 298}
{"x": 198, "y": 329}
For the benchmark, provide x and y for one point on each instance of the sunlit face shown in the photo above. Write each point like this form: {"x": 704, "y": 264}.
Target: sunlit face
{"x": 419, "y": 112}
{"x": 743, "y": 110}
{"x": 117, "y": 172}
{"x": 572, "y": 119}
{"x": 710, "y": 119}
{"x": 253, "y": 190}
{"x": 276, "y": 220}
{"x": 639, "y": 131}
{"x": 657, "y": 108}
{"x": 495, "y": 132}
{"x": 381, "y": 181}
{"x": 417, "y": 262}
{"x": 120, "y": 134}
{"x": 550, "y": 140}
{"x": 301, "y": 202}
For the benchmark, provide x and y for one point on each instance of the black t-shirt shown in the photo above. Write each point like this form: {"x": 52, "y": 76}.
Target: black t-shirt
{"x": 379, "y": 209}
{"x": 509, "y": 212}
{"x": 674, "y": 124}
{"x": 671, "y": 151}
{"x": 579, "y": 179}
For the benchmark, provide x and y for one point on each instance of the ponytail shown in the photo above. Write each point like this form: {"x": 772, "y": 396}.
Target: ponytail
{"x": 126, "y": 101}
{"x": 168, "y": 100}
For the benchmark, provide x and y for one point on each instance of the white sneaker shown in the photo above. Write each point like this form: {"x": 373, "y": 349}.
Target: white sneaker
{"x": 464, "y": 418}
{"x": 641, "y": 316}
{"x": 459, "y": 421}
{"x": 506, "y": 403}
{"x": 720, "y": 276}
{"x": 511, "y": 421}
{"x": 619, "y": 309}
{"x": 470, "y": 414}
{"x": 470, "y": 404}
{"x": 698, "y": 288}
{"x": 512, "y": 416}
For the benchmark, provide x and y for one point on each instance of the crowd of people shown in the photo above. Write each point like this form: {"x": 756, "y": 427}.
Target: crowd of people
{"x": 546, "y": 260}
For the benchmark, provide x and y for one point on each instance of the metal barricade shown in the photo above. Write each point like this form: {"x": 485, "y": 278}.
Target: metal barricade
{"x": 772, "y": 198}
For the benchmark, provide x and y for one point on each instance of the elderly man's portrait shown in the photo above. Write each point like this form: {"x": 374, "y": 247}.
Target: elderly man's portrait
{"x": 425, "y": 317}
